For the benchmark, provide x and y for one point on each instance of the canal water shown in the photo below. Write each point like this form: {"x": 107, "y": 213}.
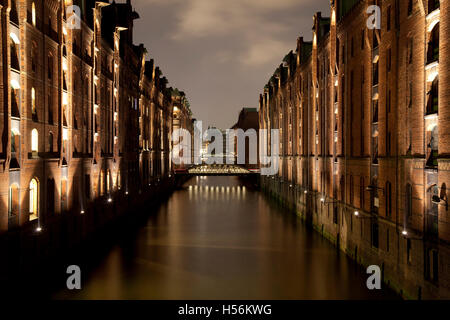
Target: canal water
{"x": 219, "y": 239}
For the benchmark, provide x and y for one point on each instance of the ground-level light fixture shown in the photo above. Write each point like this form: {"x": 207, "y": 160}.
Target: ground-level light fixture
{"x": 405, "y": 233}
{"x": 322, "y": 199}
{"x": 109, "y": 200}
{"x": 356, "y": 213}
{"x": 82, "y": 211}
{"x": 38, "y": 229}
{"x": 306, "y": 191}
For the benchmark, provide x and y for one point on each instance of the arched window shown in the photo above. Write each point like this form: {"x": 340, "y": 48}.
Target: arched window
{"x": 108, "y": 180}
{"x": 50, "y": 67}
{"x": 33, "y": 56}
{"x": 15, "y": 135}
{"x": 33, "y": 14}
{"x": 34, "y": 140}
{"x": 15, "y": 93}
{"x": 433, "y": 5}
{"x": 14, "y": 15}
{"x": 75, "y": 143}
{"x": 374, "y": 195}
{"x": 432, "y": 147}
{"x": 13, "y": 203}
{"x": 14, "y": 50}
{"x": 33, "y": 104}
{"x": 433, "y": 45}
{"x": 33, "y": 197}
{"x": 64, "y": 80}
{"x": 342, "y": 185}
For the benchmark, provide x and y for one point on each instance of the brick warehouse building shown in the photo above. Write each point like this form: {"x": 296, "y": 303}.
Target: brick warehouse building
{"x": 364, "y": 122}
{"x": 85, "y": 117}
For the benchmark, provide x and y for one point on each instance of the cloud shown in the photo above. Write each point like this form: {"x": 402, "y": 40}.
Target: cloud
{"x": 201, "y": 18}
{"x": 263, "y": 52}
{"x": 252, "y": 24}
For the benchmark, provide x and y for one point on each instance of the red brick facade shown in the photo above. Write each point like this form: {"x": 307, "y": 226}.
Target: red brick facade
{"x": 84, "y": 116}
{"x": 364, "y": 127}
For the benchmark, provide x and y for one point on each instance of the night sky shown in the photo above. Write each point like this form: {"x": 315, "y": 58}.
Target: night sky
{"x": 222, "y": 52}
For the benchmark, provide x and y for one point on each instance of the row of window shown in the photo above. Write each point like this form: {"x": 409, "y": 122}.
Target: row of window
{"x": 34, "y": 189}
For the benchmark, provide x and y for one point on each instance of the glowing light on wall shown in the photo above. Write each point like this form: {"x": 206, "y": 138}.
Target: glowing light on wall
{"x": 15, "y": 84}
{"x": 14, "y": 38}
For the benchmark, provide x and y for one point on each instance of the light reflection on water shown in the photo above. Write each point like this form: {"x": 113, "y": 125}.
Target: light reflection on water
{"x": 217, "y": 239}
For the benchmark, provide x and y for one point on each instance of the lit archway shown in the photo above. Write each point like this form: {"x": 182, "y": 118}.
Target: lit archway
{"x": 33, "y": 14}
{"x": 34, "y": 140}
{"x": 33, "y": 200}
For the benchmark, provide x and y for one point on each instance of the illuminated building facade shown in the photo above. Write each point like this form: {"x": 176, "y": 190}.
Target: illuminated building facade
{"x": 364, "y": 137}
{"x": 85, "y": 116}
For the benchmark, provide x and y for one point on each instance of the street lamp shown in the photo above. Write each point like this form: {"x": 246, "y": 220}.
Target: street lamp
{"x": 357, "y": 214}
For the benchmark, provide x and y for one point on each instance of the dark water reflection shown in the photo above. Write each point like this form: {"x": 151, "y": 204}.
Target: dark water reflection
{"x": 216, "y": 239}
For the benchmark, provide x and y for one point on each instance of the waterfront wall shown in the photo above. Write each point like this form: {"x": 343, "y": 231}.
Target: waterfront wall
{"x": 352, "y": 235}
{"x": 27, "y": 253}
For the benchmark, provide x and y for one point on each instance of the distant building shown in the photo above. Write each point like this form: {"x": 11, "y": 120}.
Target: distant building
{"x": 181, "y": 119}
{"x": 248, "y": 119}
